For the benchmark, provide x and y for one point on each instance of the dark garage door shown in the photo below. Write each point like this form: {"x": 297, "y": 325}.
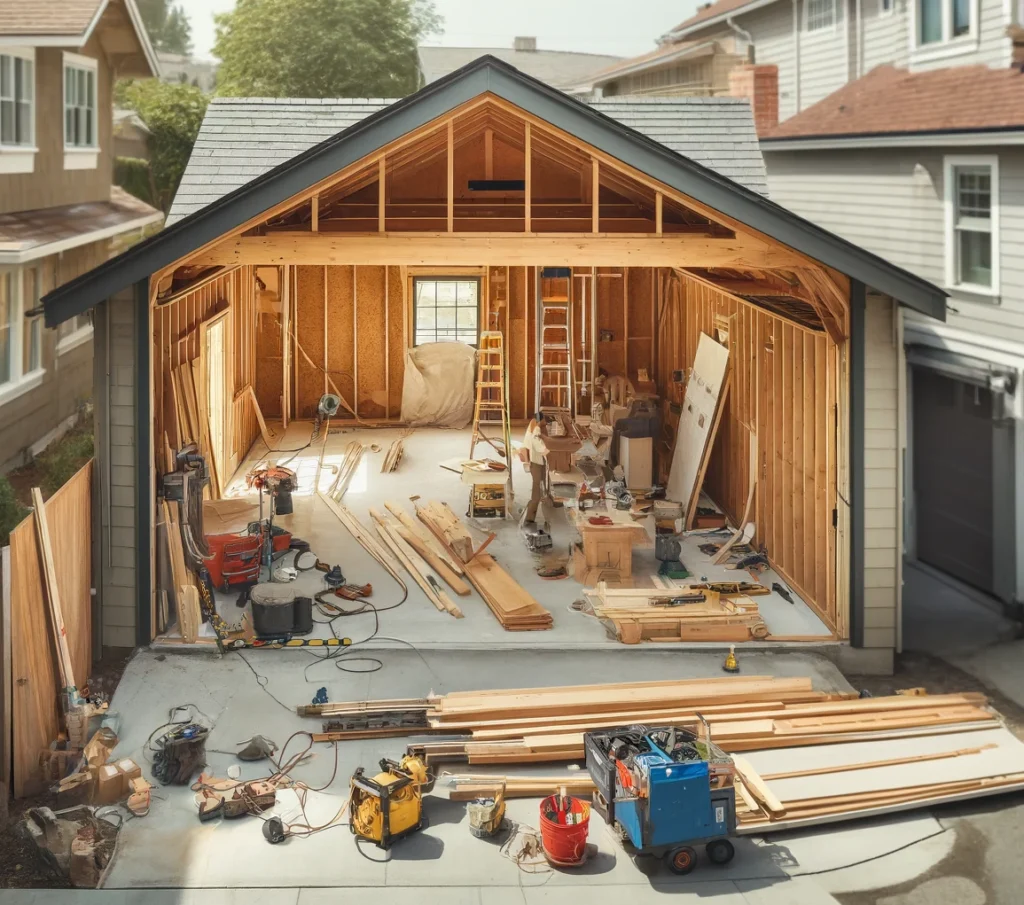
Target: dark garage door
{"x": 953, "y": 444}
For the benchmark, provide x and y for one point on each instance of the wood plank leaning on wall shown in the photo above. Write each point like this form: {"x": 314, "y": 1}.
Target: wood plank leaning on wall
{"x": 35, "y": 679}
{"x": 784, "y": 390}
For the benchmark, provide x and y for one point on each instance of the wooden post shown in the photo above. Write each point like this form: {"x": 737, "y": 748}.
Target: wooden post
{"x": 387, "y": 348}
{"x": 294, "y": 296}
{"x": 283, "y": 288}
{"x": 529, "y": 179}
{"x": 355, "y": 341}
{"x": 381, "y": 197}
{"x": 325, "y": 329}
{"x": 315, "y": 220}
{"x": 451, "y": 176}
{"x": 488, "y": 153}
{"x": 625, "y": 320}
{"x": 659, "y": 201}
{"x": 595, "y": 196}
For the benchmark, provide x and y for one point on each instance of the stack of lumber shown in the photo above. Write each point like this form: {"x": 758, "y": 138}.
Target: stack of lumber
{"x": 347, "y": 470}
{"x": 393, "y": 457}
{"x": 512, "y": 606}
{"x": 186, "y": 594}
{"x": 467, "y": 786}
{"x": 193, "y": 424}
{"x": 781, "y": 790}
{"x": 641, "y": 614}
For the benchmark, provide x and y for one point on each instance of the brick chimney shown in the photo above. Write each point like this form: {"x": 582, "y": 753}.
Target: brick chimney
{"x": 526, "y": 44}
{"x": 1016, "y": 35}
{"x": 759, "y": 84}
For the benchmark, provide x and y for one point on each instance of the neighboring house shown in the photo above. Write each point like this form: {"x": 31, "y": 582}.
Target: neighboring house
{"x": 177, "y": 67}
{"x": 898, "y": 124}
{"x": 59, "y": 215}
{"x": 131, "y": 135}
{"x": 558, "y": 68}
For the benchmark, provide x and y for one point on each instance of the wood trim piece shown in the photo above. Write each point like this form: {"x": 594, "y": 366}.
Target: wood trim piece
{"x": 659, "y": 202}
{"x": 528, "y": 161}
{"x": 382, "y": 204}
{"x": 451, "y": 177}
{"x": 595, "y": 196}
{"x": 314, "y": 222}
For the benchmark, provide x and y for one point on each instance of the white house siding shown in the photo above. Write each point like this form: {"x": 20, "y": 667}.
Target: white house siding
{"x": 890, "y": 201}
{"x": 882, "y": 578}
{"x": 993, "y": 46}
{"x": 823, "y": 58}
{"x": 884, "y": 36}
{"x": 772, "y": 31}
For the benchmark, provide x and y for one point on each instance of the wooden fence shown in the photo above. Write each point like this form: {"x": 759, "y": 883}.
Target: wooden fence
{"x": 31, "y": 697}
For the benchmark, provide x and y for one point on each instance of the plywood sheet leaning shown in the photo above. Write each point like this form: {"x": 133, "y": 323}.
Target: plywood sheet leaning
{"x": 514, "y": 608}
{"x": 705, "y": 394}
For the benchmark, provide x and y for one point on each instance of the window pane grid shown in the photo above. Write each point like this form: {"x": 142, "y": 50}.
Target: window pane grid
{"x": 6, "y": 306}
{"x": 446, "y": 311}
{"x": 79, "y": 107}
{"x": 820, "y": 14}
{"x": 972, "y": 225}
{"x": 17, "y": 91}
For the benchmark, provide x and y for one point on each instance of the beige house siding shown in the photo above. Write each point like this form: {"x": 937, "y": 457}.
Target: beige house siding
{"x": 882, "y": 467}
{"x": 50, "y": 185}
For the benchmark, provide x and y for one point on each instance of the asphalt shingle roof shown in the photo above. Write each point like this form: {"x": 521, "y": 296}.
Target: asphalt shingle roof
{"x": 242, "y": 138}
{"x": 46, "y": 17}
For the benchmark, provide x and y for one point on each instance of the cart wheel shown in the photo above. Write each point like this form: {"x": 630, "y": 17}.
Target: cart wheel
{"x": 720, "y": 851}
{"x": 681, "y": 860}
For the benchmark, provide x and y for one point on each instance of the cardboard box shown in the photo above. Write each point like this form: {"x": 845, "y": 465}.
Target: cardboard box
{"x": 129, "y": 770}
{"x": 110, "y": 787}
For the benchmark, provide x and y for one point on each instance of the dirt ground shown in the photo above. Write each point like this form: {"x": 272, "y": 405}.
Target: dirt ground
{"x": 21, "y": 865}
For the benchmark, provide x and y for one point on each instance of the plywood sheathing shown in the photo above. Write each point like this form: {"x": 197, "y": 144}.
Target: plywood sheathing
{"x": 396, "y": 340}
{"x": 309, "y": 329}
{"x": 372, "y": 341}
{"x": 268, "y": 380}
{"x": 340, "y": 328}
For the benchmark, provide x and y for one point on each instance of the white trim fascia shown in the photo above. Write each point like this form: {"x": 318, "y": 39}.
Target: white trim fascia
{"x": 82, "y": 62}
{"x": 74, "y": 340}
{"x": 143, "y": 36}
{"x": 955, "y": 339}
{"x": 94, "y": 21}
{"x": 929, "y": 140}
{"x": 24, "y": 384}
{"x": 41, "y": 41}
{"x": 81, "y": 158}
{"x": 52, "y": 248}
{"x": 651, "y": 64}
{"x": 716, "y": 20}
{"x": 949, "y": 163}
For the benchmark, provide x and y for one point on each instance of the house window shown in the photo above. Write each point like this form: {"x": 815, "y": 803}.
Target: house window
{"x": 446, "y": 310}
{"x": 886, "y": 6}
{"x": 820, "y": 14}
{"x": 79, "y": 102}
{"x": 7, "y": 305}
{"x": 972, "y": 223}
{"x": 21, "y": 366}
{"x": 942, "y": 20}
{"x": 33, "y": 354}
{"x": 17, "y": 99}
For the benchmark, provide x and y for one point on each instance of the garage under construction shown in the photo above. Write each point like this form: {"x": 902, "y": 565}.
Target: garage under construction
{"x": 337, "y": 361}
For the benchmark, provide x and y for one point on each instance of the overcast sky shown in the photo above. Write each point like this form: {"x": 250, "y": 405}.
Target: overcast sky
{"x": 598, "y": 26}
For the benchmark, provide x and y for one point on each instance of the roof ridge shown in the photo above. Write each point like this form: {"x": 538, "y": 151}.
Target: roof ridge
{"x": 487, "y": 50}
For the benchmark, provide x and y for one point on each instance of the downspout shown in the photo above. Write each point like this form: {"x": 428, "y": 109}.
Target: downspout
{"x": 858, "y": 40}
{"x": 746, "y": 35}
{"x": 856, "y": 440}
{"x": 796, "y": 55}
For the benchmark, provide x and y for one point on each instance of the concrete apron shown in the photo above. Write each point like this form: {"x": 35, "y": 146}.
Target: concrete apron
{"x": 170, "y": 848}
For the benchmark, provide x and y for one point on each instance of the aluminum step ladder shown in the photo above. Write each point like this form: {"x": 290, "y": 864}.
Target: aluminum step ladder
{"x": 586, "y": 363}
{"x": 555, "y": 381}
{"x": 491, "y": 423}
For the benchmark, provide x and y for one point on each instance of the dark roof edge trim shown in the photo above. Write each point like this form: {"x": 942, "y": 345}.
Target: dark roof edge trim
{"x": 572, "y": 116}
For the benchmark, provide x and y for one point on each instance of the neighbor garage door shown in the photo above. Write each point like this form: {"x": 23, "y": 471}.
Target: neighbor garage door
{"x": 953, "y": 476}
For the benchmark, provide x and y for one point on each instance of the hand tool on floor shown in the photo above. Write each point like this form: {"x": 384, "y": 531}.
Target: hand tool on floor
{"x": 388, "y": 806}
{"x": 486, "y": 814}
{"x": 782, "y": 592}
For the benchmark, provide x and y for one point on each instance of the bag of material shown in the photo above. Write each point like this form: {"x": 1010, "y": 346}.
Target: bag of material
{"x": 438, "y": 387}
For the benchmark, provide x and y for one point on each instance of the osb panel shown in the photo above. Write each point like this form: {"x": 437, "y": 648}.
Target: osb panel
{"x": 610, "y": 353}
{"x": 783, "y": 389}
{"x": 309, "y": 329}
{"x": 35, "y": 717}
{"x": 372, "y": 339}
{"x": 517, "y": 345}
{"x": 340, "y": 322}
{"x": 269, "y": 382}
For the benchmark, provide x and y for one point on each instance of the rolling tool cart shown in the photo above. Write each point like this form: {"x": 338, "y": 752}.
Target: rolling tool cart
{"x": 666, "y": 790}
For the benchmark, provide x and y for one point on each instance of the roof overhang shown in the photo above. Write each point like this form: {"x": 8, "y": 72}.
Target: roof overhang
{"x": 80, "y": 39}
{"x": 960, "y": 139}
{"x": 483, "y": 76}
{"x": 35, "y": 252}
{"x": 655, "y": 62}
{"x": 721, "y": 19}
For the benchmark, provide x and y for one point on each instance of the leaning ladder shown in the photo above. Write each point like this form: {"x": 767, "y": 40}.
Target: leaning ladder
{"x": 555, "y": 380}
{"x": 490, "y": 414}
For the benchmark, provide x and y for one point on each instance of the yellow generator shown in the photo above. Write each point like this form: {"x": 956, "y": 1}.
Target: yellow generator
{"x": 390, "y": 805}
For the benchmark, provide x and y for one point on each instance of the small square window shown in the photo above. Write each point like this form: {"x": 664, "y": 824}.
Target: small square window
{"x": 820, "y": 14}
{"x": 446, "y": 310}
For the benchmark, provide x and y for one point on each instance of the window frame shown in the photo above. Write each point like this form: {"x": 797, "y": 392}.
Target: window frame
{"x": 821, "y": 28}
{"x": 81, "y": 156}
{"x": 445, "y": 278}
{"x": 949, "y": 45}
{"x": 951, "y": 164}
{"x": 19, "y": 381}
{"x": 20, "y": 158}
{"x": 885, "y": 11}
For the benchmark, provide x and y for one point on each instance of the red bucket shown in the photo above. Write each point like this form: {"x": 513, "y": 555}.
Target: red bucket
{"x": 564, "y": 824}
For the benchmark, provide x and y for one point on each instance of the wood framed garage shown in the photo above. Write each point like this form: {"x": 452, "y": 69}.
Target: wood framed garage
{"x": 484, "y": 180}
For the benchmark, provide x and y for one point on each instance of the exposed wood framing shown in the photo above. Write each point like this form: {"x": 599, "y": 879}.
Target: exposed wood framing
{"x": 529, "y": 178}
{"x": 382, "y": 204}
{"x": 659, "y": 200}
{"x": 595, "y": 196}
{"x": 451, "y": 176}
{"x": 314, "y": 222}
{"x": 355, "y": 342}
{"x": 488, "y": 154}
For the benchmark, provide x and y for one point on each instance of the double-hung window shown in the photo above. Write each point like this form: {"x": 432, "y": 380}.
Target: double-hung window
{"x": 32, "y": 357}
{"x": 446, "y": 310}
{"x": 942, "y": 21}
{"x": 972, "y": 224}
{"x": 17, "y": 110}
{"x": 81, "y": 138}
{"x": 21, "y": 365}
{"x": 819, "y": 14}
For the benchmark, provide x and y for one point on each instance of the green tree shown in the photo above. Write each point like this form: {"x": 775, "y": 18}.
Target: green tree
{"x": 167, "y": 25}
{"x": 322, "y": 48}
{"x": 173, "y": 114}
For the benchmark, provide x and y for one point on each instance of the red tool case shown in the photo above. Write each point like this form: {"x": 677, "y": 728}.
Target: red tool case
{"x": 235, "y": 558}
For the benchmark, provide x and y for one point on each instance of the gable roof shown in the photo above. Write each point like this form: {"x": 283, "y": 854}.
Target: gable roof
{"x": 486, "y": 75}
{"x": 712, "y": 13}
{"x": 661, "y": 55}
{"x": 891, "y": 101}
{"x": 558, "y": 68}
{"x": 66, "y": 23}
{"x": 242, "y": 138}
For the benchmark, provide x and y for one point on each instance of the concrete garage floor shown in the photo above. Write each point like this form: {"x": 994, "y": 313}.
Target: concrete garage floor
{"x": 419, "y": 473}
{"x": 170, "y": 848}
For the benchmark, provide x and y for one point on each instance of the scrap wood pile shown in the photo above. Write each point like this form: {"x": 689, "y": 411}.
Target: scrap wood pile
{"x": 513, "y": 607}
{"x": 191, "y": 423}
{"x": 393, "y": 457}
{"x": 677, "y": 614}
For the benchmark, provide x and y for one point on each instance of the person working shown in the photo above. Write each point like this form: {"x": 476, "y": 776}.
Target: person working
{"x": 536, "y": 459}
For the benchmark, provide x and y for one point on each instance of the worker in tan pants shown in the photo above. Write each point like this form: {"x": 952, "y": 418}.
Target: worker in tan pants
{"x": 535, "y": 456}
